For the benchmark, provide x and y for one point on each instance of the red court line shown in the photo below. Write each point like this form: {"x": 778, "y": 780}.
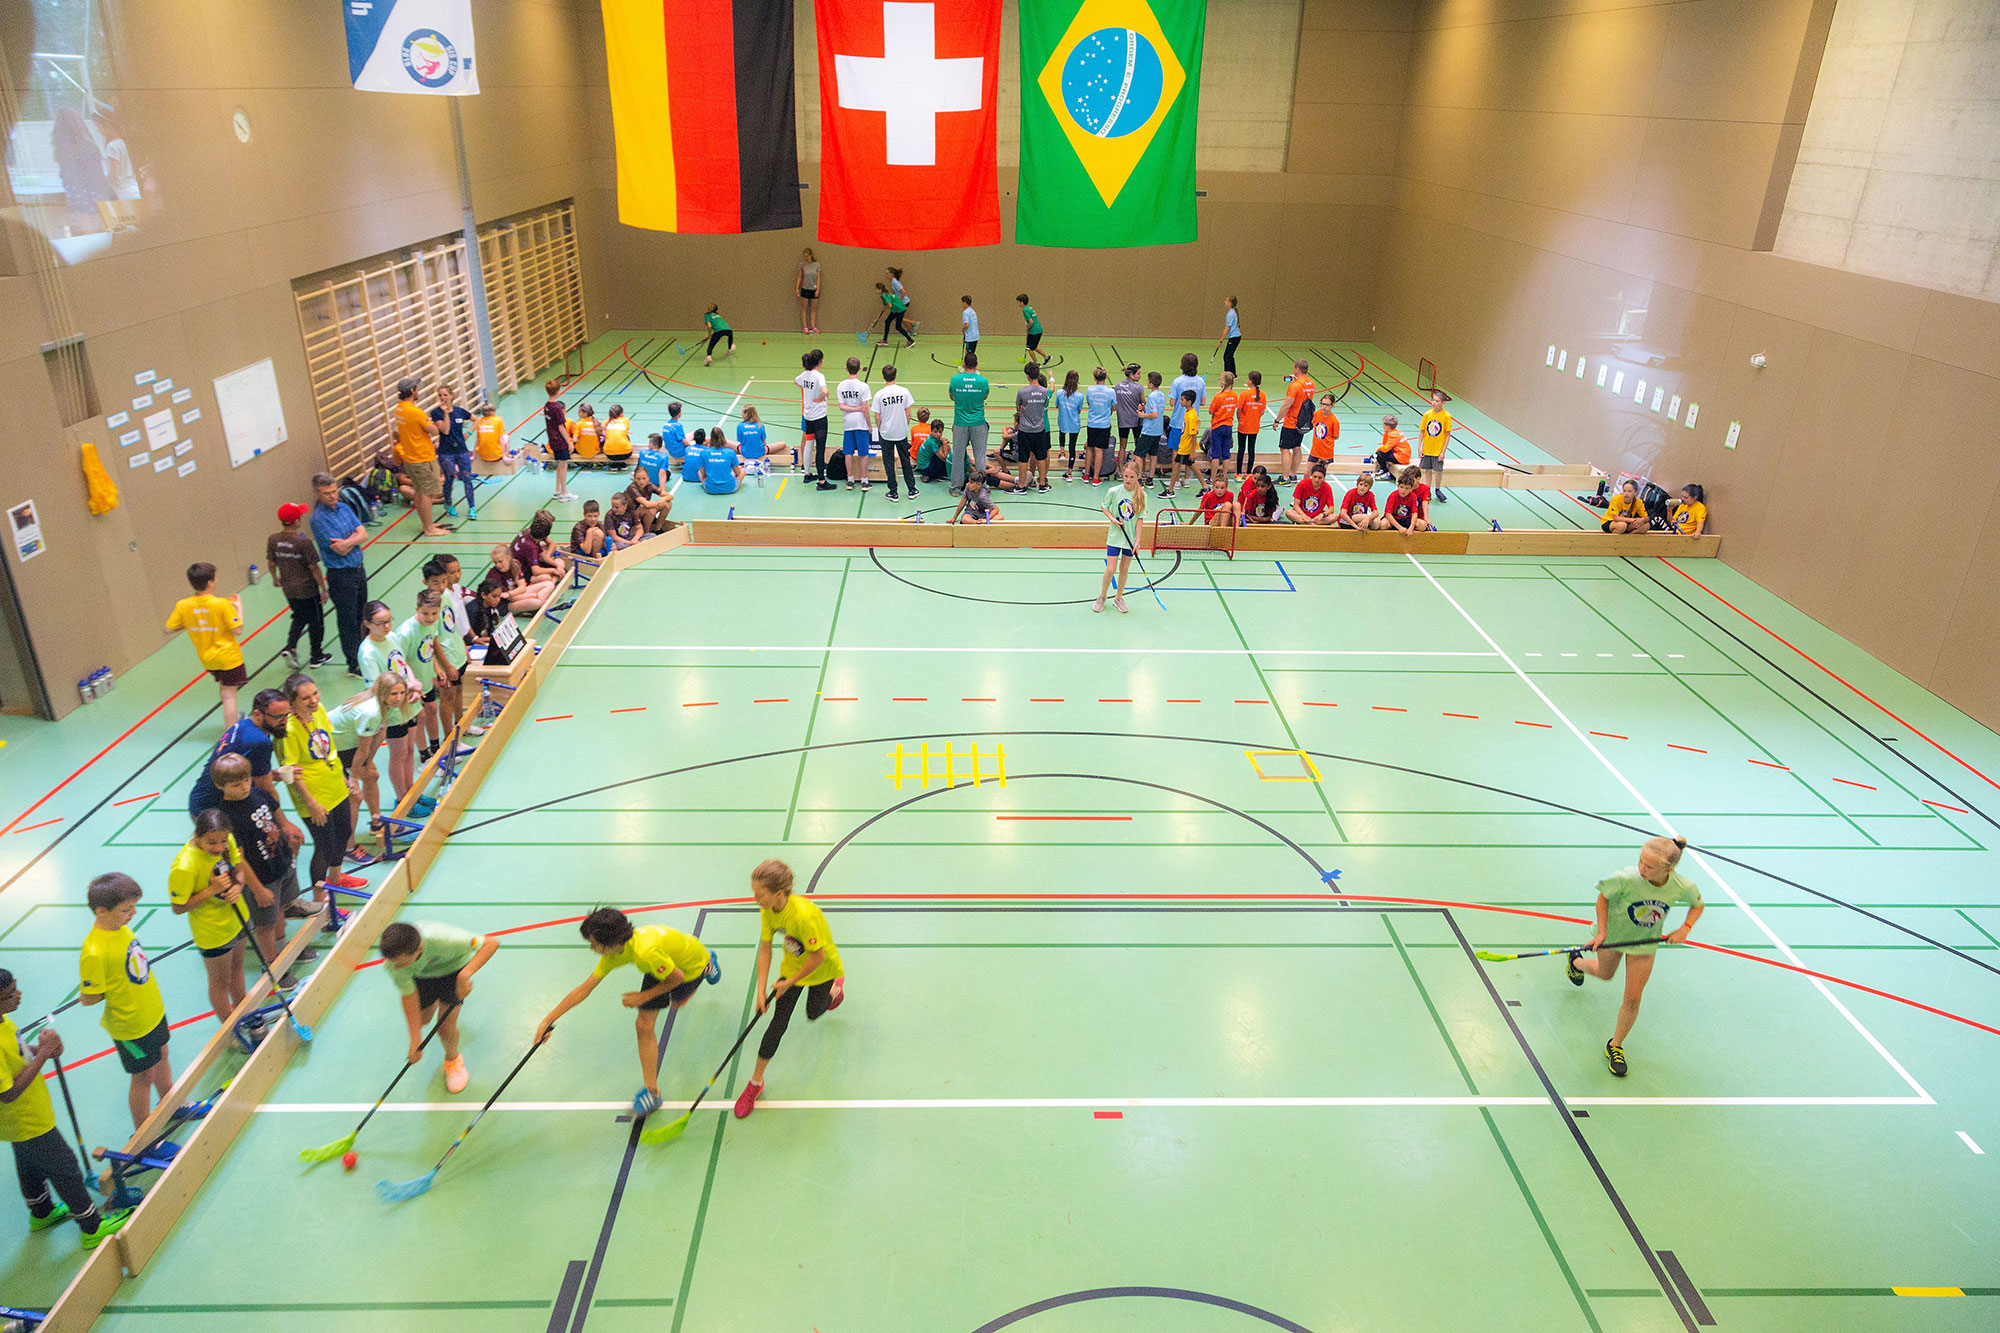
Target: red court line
{"x": 1044, "y": 701}
{"x": 1472, "y": 716}
{"x": 1309, "y": 703}
{"x": 1253, "y": 701}
{"x": 557, "y": 717}
{"x": 1380, "y": 709}
{"x": 1689, "y": 748}
{"x": 98, "y": 1055}
{"x": 909, "y": 701}
{"x": 1864, "y": 786}
{"x": 839, "y": 698}
{"x": 979, "y": 701}
{"x": 129, "y": 799}
{"x": 640, "y": 709}
{"x": 1114, "y": 701}
{"x": 386, "y": 531}
{"x": 1085, "y": 819}
{"x": 44, "y": 824}
{"x": 708, "y": 703}
{"x": 1611, "y": 735}
{"x": 1107, "y": 1115}
{"x": 770, "y": 701}
{"x": 1823, "y": 667}
{"x": 1942, "y": 806}
{"x": 1183, "y": 701}
{"x": 1765, "y": 763}
{"x": 124, "y": 734}
{"x": 1545, "y": 726}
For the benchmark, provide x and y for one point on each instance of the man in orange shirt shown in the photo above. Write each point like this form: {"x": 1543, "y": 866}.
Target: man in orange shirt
{"x": 1221, "y": 423}
{"x": 416, "y": 450}
{"x": 1295, "y": 418}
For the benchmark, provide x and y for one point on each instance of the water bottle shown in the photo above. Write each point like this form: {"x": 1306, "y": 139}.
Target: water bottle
{"x": 84, "y": 688}
{"x": 253, "y": 573}
{"x": 104, "y": 680}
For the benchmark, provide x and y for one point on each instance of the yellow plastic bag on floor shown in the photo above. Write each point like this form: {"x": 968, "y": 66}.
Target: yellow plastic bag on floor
{"x": 103, "y": 492}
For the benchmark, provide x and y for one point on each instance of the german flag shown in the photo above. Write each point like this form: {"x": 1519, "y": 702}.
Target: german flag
{"x": 701, "y": 103}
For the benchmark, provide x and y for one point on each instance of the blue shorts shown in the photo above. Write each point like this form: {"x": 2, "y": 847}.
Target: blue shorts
{"x": 856, "y": 442}
{"x": 1219, "y": 442}
{"x": 1113, "y": 552}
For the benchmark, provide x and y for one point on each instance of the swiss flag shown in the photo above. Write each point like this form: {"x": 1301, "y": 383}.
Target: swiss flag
{"x": 909, "y": 130}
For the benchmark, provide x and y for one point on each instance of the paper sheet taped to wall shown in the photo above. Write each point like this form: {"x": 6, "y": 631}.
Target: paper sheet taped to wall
{"x": 253, "y": 418}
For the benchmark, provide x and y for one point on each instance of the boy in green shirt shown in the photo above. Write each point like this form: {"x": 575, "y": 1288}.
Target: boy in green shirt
{"x": 115, "y": 974}
{"x": 1034, "y": 322}
{"x": 51, "y": 1179}
{"x": 672, "y": 963}
{"x": 431, "y": 965}
{"x": 1632, "y": 905}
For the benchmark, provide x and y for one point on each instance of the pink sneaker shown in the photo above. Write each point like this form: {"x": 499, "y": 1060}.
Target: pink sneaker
{"x": 455, "y": 1075}
{"x": 1119, "y": 602}
{"x": 746, "y": 1100}
{"x": 1097, "y": 605}
{"x": 839, "y": 994}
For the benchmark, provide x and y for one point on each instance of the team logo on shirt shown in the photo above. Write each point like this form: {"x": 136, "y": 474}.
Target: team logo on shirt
{"x": 137, "y": 969}
{"x": 789, "y": 943}
{"x": 1647, "y": 912}
{"x": 1312, "y": 504}
{"x": 430, "y": 57}
{"x": 319, "y": 743}
{"x": 1433, "y": 427}
{"x": 426, "y": 649}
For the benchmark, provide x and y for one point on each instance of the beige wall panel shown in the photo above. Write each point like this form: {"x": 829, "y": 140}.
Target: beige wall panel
{"x": 1968, "y": 663}
{"x": 141, "y": 286}
{"x": 1705, "y": 179}
{"x": 1343, "y": 139}
{"x": 1876, "y": 309}
{"x": 1585, "y": 64}
{"x": 1360, "y": 15}
{"x": 1353, "y": 67}
{"x": 305, "y": 246}
{"x": 1959, "y": 331}
{"x": 1461, "y": 13}
{"x": 1731, "y": 60}
{"x": 245, "y": 43}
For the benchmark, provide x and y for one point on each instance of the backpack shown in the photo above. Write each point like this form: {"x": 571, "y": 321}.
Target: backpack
{"x": 836, "y": 467}
{"x": 355, "y": 497}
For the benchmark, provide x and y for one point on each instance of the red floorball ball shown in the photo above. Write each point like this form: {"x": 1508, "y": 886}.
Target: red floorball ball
{"x": 348, "y": 1161}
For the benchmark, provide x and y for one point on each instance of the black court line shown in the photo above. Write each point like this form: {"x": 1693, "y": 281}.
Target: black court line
{"x": 638, "y": 1124}
{"x": 1575, "y": 1130}
{"x": 1834, "y": 708}
{"x": 1017, "y": 601}
{"x": 1640, "y": 830}
{"x": 1124, "y": 1293}
{"x": 566, "y": 1297}
{"x": 1689, "y": 1292}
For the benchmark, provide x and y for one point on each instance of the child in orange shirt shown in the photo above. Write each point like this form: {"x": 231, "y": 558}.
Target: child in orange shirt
{"x": 1394, "y": 451}
{"x": 1326, "y": 430}
{"x": 1222, "y": 423}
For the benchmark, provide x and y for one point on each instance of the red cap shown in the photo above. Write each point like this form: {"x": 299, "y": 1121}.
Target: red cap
{"x": 291, "y": 513}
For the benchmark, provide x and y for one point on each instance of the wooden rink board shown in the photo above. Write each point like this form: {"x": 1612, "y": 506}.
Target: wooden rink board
{"x": 1190, "y": 537}
{"x": 96, "y": 1284}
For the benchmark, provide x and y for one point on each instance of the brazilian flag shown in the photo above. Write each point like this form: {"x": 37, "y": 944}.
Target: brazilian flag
{"x": 1109, "y": 93}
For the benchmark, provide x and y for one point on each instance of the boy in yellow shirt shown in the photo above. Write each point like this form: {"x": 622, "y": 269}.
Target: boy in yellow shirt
{"x": 811, "y": 962}
{"x": 673, "y": 965}
{"x": 1434, "y": 430}
{"x": 115, "y": 974}
{"x": 211, "y": 623}
{"x": 1190, "y": 422}
{"x": 51, "y": 1180}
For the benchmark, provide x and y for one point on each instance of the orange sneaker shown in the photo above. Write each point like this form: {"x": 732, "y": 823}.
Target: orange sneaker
{"x": 455, "y": 1075}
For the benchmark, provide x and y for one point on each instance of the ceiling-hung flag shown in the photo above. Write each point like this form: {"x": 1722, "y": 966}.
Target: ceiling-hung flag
{"x": 702, "y": 109}
{"x": 411, "y": 46}
{"x": 909, "y": 135}
{"x": 1109, "y": 93}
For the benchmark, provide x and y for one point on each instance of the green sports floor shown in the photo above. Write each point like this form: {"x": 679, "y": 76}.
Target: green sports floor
{"x": 1172, "y": 1020}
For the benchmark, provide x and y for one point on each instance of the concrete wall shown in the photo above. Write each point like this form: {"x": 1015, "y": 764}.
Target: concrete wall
{"x": 1597, "y": 178}
{"x": 202, "y": 286}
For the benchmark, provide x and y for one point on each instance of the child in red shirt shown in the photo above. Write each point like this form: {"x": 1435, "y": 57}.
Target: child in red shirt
{"x": 1357, "y": 507}
{"x": 1408, "y": 507}
{"x": 1312, "y": 499}
{"x": 1218, "y": 506}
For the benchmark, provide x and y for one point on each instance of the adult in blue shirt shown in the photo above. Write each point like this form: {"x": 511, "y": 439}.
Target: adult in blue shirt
{"x": 1232, "y": 334}
{"x": 454, "y": 458}
{"x": 1189, "y": 378}
{"x": 340, "y": 536}
{"x": 251, "y": 737}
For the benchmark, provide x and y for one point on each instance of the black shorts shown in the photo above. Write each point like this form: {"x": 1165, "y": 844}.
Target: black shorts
{"x": 1032, "y": 443}
{"x": 1385, "y": 460}
{"x": 221, "y": 950}
{"x": 431, "y": 695}
{"x": 1289, "y": 437}
{"x": 436, "y": 990}
{"x": 235, "y": 675}
{"x": 559, "y": 451}
{"x": 809, "y": 293}
{"x": 1034, "y": 341}
{"x": 681, "y": 992}
{"x": 398, "y": 730}
{"x": 1147, "y": 446}
{"x": 347, "y": 759}
{"x": 1125, "y": 434}
{"x": 138, "y": 1054}
{"x": 1097, "y": 437}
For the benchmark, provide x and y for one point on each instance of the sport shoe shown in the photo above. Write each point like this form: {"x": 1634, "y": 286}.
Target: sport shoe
{"x": 746, "y": 1100}
{"x": 1043, "y": 488}
{"x": 57, "y": 1216}
{"x": 354, "y": 673}
{"x": 1119, "y": 602}
{"x": 320, "y": 660}
{"x": 645, "y": 1101}
{"x": 1571, "y": 970}
{"x": 1615, "y": 1054}
{"x": 1097, "y": 605}
{"x": 470, "y": 513}
{"x": 455, "y": 1075}
{"x": 346, "y": 881}
{"x": 714, "y": 972}
{"x": 893, "y": 497}
{"x": 108, "y": 1226}
{"x": 839, "y": 994}
{"x": 291, "y": 656}
{"x": 825, "y": 486}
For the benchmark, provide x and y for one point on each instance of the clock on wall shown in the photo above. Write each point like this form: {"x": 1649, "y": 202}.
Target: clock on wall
{"x": 240, "y": 122}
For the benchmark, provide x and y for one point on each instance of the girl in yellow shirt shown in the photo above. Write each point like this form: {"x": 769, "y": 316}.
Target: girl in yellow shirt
{"x": 811, "y": 964}
{"x": 1691, "y": 514}
{"x": 1626, "y": 512}
{"x": 206, "y": 887}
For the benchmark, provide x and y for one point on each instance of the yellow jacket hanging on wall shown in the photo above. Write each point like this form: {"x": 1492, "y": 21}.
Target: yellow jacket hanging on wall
{"x": 103, "y": 492}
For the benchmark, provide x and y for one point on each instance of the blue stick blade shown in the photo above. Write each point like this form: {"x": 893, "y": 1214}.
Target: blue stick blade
{"x": 393, "y": 1191}
{"x": 305, "y": 1033}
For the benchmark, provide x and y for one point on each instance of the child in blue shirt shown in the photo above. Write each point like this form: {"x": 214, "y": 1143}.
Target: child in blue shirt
{"x": 1100, "y": 400}
{"x": 1069, "y": 419}
{"x": 673, "y": 435}
{"x": 1152, "y": 427}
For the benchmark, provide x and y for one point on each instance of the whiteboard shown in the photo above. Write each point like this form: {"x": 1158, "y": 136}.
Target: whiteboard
{"x": 253, "y": 420}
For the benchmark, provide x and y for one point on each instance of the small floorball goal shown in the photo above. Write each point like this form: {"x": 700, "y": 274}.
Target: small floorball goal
{"x": 1427, "y": 375}
{"x": 1173, "y": 532}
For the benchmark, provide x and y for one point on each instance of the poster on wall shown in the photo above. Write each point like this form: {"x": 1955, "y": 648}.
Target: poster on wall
{"x": 26, "y": 527}
{"x": 253, "y": 418}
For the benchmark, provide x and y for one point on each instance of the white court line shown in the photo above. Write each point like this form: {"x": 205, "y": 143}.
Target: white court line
{"x": 724, "y": 418}
{"x": 818, "y": 648}
{"x": 1101, "y": 1104}
{"x": 1661, "y": 819}
{"x": 1977, "y": 1150}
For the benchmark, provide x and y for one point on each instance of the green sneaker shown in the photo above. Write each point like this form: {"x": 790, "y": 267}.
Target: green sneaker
{"x": 1571, "y": 970}
{"x": 54, "y": 1219}
{"x": 107, "y": 1227}
{"x": 1615, "y": 1054}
